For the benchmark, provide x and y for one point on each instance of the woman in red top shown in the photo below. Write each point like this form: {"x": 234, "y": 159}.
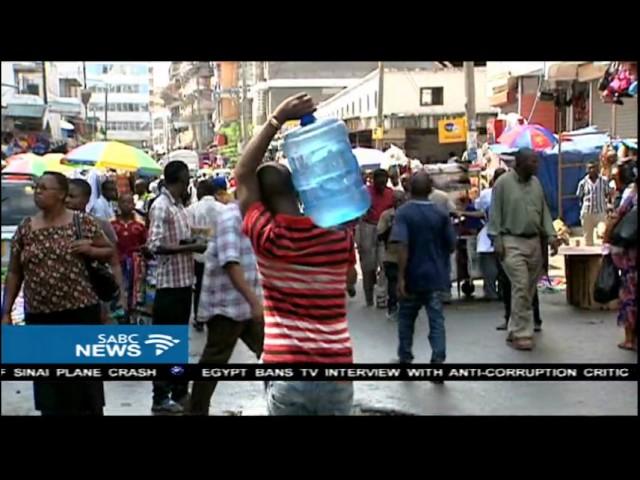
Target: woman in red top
{"x": 132, "y": 236}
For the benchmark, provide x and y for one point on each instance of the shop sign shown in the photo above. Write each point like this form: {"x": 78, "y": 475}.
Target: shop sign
{"x": 452, "y": 130}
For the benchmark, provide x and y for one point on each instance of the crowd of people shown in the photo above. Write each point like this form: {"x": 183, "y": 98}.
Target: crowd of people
{"x": 249, "y": 265}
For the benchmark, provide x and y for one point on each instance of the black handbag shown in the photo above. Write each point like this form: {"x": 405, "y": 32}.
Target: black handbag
{"x": 625, "y": 233}
{"x": 100, "y": 275}
{"x": 607, "y": 286}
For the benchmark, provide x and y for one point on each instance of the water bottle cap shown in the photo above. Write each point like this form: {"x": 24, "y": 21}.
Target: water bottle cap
{"x": 307, "y": 119}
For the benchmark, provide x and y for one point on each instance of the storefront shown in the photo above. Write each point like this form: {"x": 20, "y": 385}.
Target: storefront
{"x": 620, "y": 120}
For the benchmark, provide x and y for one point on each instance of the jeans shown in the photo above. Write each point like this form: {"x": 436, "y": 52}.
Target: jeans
{"x": 309, "y": 398}
{"x": 222, "y": 335}
{"x": 391, "y": 272}
{"x": 409, "y": 309}
{"x": 172, "y": 306}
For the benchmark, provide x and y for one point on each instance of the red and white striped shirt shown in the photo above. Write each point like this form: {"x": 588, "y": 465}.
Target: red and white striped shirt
{"x": 303, "y": 269}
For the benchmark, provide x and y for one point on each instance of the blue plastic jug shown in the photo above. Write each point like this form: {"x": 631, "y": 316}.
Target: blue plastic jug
{"x": 325, "y": 172}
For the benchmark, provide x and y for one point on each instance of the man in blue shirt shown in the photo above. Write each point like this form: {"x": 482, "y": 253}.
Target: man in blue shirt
{"x": 426, "y": 239}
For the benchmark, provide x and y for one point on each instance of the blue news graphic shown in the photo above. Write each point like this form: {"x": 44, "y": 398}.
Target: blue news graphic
{"x": 95, "y": 344}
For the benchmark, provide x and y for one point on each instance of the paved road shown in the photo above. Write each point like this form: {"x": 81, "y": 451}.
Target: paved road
{"x": 569, "y": 335}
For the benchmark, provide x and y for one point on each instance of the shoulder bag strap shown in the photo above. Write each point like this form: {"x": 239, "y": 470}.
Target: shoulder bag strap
{"x": 77, "y": 224}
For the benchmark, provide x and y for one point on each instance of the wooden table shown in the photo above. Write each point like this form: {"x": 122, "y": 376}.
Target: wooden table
{"x": 582, "y": 265}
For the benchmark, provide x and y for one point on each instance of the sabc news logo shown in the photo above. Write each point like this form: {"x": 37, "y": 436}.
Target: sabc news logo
{"x": 126, "y": 345}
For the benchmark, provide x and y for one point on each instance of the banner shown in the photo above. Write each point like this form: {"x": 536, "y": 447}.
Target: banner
{"x": 452, "y": 131}
{"x": 95, "y": 344}
{"x": 344, "y": 372}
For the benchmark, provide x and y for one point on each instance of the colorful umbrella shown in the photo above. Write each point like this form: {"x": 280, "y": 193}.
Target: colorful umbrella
{"x": 115, "y": 155}
{"x": 25, "y": 164}
{"x": 535, "y": 137}
{"x": 53, "y": 163}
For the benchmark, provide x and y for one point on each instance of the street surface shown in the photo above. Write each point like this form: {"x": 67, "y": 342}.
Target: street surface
{"x": 568, "y": 335}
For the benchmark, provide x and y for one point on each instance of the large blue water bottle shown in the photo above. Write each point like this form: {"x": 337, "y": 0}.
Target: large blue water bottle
{"x": 325, "y": 172}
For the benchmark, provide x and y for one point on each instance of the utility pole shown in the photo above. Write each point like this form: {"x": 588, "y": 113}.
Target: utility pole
{"x": 470, "y": 107}
{"x": 44, "y": 83}
{"x": 106, "y": 109}
{"x": 243, "y": 103}
{"x": 380, "y": 121}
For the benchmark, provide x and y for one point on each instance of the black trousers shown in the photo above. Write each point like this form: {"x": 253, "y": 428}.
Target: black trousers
{"x": 172, "y": 306}
{"x": 199, "y": 269}
{"x": 504, "y": 284}
{"x": 222, "y": 335}
{"x": 391, "y": 272}
{"x": 68, "y": 398}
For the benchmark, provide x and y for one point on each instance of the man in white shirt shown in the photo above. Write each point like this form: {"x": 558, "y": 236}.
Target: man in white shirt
{"x": 203, "y": 215}
{"x": 103, "y": 207}
{"x": 486, "y": 253}
{"x": 593, "y": 191}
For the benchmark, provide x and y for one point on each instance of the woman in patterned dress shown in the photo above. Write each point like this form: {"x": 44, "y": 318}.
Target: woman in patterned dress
{"x": 49, "y": 260}
{"x": 625, "y": 259}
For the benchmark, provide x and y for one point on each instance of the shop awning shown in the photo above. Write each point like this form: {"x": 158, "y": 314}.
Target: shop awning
{"x": 66, "y": 106}
{"x": 28, "y": 106}
{"x": 592, "y": 71}
{"x": 66, "y": 125}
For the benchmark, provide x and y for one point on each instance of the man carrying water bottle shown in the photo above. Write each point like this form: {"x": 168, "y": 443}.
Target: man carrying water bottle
{"x": 305, "y": 270}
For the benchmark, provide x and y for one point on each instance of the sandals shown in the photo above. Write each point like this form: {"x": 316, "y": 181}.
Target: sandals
{"x": 628, "y": 346}
{"x": 520, "y": 343}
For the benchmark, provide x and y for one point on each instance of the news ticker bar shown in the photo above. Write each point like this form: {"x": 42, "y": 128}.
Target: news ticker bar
{"x": 342, "y": 372}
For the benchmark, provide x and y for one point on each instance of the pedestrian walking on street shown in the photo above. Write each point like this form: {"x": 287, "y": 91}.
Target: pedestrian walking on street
{"x": 103, "y": 207}
{"x": 426, "y": 240}
{"x": 49, "y": 260}
{"x": 593, "y": 191}
{"x": 390, "y": 261}
{"x": 202, "y": 218}
{"x": 367, "y": 235}
{"x": 231, "y": 300}
{"x": 170, "y": 241}
{"x": 489, "y": 265}
{"x": 142, "y": 195}
{"x": 505, "y": 288}
{"x": 132, "y": 238}
{"x": 77, "y": 200}
{"x": 304, "y": 269}
{"x": 625, "y": 258}
{"x": 519, "y": 224}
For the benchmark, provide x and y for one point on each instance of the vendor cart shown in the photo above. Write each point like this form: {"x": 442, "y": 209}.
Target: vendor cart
{"x": 457, "y": 180}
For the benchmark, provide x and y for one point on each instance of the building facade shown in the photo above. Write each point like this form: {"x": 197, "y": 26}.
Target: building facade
{"x": 120, "y": 101}
{"x": 42, "y": 97}
{"x": 414, "y": 100}
{"x": 189, "y": 100}
{"x": 561, "y": 96}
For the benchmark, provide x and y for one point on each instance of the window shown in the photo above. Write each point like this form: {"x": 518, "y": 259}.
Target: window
{"x": 431, "y": 96}
{"x": 32, "y": 89}
{"x": 360, "y": 105}
{"x": 353, "y": 108}
{"x": 375, "y": 99}
{"x": 368, "y": 105}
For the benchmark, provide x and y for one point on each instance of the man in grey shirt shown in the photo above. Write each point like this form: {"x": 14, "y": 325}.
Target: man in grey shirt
{"x": 519, "y": 221}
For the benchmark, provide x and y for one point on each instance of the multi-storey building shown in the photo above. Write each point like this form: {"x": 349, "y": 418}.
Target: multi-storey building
{"x": 120, "y": 100}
